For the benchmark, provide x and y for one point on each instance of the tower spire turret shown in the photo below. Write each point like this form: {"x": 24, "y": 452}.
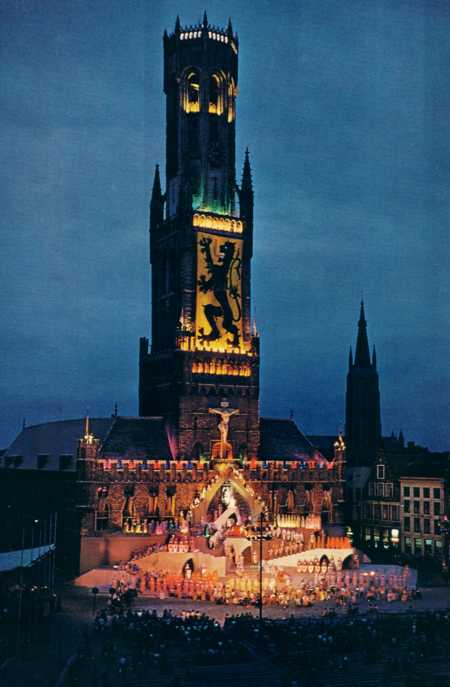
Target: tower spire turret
{"x": 362, "y": 354}
{"x": 246, "y": 191}
{"x": 350, "y": 359}
{"x": 157, "y": 200}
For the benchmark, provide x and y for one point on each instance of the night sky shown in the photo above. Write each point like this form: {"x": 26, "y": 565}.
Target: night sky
{"x": 345, "y": 107}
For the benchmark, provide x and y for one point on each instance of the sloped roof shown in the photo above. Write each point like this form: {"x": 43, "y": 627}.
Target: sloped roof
{"x": 53, "y": 439}
{"x": 283, "y": 440}
{"x": 325, "y": 443}
{"x": 138, "y": 435}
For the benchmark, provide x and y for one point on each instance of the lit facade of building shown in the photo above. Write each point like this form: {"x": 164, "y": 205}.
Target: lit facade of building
{"x": 423, "y": 509}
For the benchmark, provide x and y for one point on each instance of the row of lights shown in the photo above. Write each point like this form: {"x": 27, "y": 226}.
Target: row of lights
{"x": 198, "y": 34}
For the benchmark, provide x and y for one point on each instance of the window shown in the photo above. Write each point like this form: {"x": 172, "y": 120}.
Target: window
{"x": 395, "y": 510}
{"x": 406, "y": 491}
{"x": 385, "y": 512}
{"x": 428, "y": 547}
{"x": 377, "y": 511}
{"x": 437, "y": 493}
{"x": 416, "y": 506}
{"x": 406, "y": 506}
{"x": 13, "y": 461}
{"x": 388, "y": 489}
{"x": 426, "y": 507}
{"x": 416, "y": 492}
{"x": 380, "y": 471}
{"x": 437, "y": 527}
{"x": 426, "y": 525}
{"x": 416, "y": 524}
{"x": 191, "y": 98}
{"x": 215, "y": 95}
{"x": 65, "y": 462}
{"x": 436, "y": 508}
{"x": 408, "y": 545}
{"x": 418, "y": 547}
{"x": 42, "y": 461}
{"x": 406, "y": 524}
{"x": 426, "y": 492}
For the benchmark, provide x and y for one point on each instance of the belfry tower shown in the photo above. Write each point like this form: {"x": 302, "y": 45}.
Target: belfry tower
{"x": 203, "y": 352}
{"x": 362, "y": 417}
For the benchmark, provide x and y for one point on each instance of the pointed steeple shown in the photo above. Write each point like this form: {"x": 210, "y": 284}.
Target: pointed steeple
{"x": 156, "y": 191}
{"x": 374, "y": 358}
{"x": 157, "y": 200}
{"x": 350, "y": 359}
{"x": 401, "y": 438}
{"x": 362, "y": 354}
{"x": 205, "y": 20}
{"x": 177, "y": 24}
{"x": 247, "y": 184}
{"x": 229, "y": 29}
{"x": 246, "y": 192}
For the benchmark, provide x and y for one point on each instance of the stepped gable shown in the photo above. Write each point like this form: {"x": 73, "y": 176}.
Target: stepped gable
{"x": 283, "y": 440}
{"x": 53, "y": 439}
{"x": 146, "y": 436}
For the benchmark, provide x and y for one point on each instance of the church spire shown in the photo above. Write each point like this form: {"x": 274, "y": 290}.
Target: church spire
{"x": 247, "y": 184}
{"x": 156, "y": 191}
{"x": 350, "y": 359}
{"x": 157, "y": 200}
{"x": 362, "y": 354}
{"x": 362, "y": 414}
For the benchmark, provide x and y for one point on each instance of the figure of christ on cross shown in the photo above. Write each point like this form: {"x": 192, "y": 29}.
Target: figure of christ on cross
{"x": 225, "y": 413}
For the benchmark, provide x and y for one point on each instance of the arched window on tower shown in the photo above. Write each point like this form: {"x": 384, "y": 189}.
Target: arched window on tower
{"x": 215, "y": 94}
{"x": 231, "y": 101}
{"x": 191, "y": 92}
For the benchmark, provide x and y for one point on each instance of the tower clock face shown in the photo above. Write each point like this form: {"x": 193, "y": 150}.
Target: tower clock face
{"x": 219, "y": 292}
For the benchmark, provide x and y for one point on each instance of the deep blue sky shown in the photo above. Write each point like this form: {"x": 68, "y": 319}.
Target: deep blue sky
{"x": 345, "y": 107}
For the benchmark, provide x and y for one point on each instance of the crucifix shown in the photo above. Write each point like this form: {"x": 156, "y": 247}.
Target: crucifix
{"x": 225, "y": 413}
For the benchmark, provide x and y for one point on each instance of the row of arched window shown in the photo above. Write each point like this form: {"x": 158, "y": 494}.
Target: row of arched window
{"x": 220, "y": 93}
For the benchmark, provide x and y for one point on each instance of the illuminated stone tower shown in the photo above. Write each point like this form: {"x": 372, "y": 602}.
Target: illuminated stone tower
{"x": 203, "y": 352}
{"x": 362, "y": 419}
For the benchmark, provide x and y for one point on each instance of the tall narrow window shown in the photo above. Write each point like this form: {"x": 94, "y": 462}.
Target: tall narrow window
{"x": 215, "y": 95}
{"x": 191, "y": 94}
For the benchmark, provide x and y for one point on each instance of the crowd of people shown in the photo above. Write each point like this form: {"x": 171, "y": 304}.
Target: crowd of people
{"x": 140, "y": 645}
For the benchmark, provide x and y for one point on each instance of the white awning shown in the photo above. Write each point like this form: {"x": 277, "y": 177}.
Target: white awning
{"x": 23, "y": 558}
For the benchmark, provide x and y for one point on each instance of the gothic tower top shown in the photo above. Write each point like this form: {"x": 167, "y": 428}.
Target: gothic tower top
{"x": 363, "y": 416}
{"x": 200, "y": 83}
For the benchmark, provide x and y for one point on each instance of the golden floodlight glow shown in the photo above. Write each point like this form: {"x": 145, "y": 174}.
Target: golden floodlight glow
{"x": 217, "y": 223}
{"x": 213, "y": 367}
